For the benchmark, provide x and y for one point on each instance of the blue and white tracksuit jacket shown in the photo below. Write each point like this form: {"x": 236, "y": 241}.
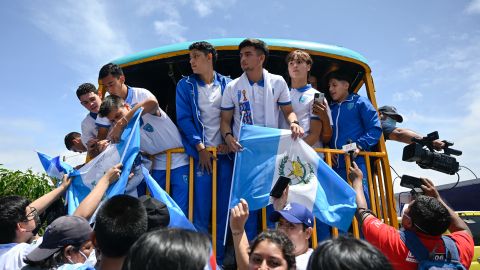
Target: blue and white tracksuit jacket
{"x": 192, "y": 131}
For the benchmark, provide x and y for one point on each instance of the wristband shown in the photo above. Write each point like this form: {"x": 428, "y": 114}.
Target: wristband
{"x": 226, "y": 134}
{"x": 202, "y": 150}
{"x": 295, "y": 122}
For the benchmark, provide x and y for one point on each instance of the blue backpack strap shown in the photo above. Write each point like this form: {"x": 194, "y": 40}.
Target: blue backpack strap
{"x": 450, "y": 249}
{"x": 414, "y": 245}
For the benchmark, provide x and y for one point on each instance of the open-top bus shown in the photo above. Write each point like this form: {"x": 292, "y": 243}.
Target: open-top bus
{"x": 159, "y": 70}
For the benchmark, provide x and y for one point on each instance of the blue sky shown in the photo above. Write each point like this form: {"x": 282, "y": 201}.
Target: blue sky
{"x": 425, "y": 57}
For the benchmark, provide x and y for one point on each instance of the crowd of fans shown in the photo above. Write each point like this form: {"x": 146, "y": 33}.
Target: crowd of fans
{"x": 131, "y": 232}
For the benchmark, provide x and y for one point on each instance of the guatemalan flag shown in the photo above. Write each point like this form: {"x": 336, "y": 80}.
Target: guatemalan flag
{"x": 123, "y": 152}
{"x": 54, "y": 167}
{"x": 269, "y": 153}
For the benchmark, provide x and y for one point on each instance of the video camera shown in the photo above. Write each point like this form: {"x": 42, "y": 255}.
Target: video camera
{"x": 421, "y": 151}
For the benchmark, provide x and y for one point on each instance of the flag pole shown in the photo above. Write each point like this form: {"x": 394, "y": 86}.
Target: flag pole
{"x": 233, "y": 178}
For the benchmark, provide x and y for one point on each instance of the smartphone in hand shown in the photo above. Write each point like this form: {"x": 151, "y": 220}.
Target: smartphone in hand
{"x": 279, "y": 187}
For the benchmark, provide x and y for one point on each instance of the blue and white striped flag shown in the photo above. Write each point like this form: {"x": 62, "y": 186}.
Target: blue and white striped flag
{"x": 123, "y": 152}
{"x": 177, "y": 217}
{"x": 269, "y": 153}
{"x": 85, "y": 178}
{"x": 54, "y": 167}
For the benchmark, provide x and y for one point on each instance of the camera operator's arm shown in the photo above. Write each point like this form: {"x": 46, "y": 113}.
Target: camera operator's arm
{"x": 406, "y": 135}
{"x": 456, "y": 223}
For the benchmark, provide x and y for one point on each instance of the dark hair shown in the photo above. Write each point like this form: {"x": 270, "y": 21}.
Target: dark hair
{"x": 110, "y": 69}
{"x": 339, "y": 75}
{"x": 12, "y": 211}
{"x": 259, "y": 45}
{"x": 281, "y": 240}
{"x": 86, "y": 88}
{"x": 344, "y": 253}
{"x": 119, "y": 223}
{"x": 69, "y": 139}
{"x": 109, "y": 103}
{"x": 206, "y": 48}
{"x": 169, "y": 249}
{"x": 56, "y": 259}
{"x": 429, "y": 215}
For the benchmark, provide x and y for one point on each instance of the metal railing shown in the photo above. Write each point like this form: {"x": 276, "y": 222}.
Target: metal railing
{"x": 379, "y": 183}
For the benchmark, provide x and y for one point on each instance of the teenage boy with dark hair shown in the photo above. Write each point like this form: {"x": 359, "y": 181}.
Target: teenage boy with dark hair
{"x": 113, "y": 81}
{"x": 157, "y": 134}
{"x": 20, "y": 222}
{"x": 198, "y": 100}
{"x": 355, "y": 119}
{"x": 426, "y": 218}
{"x": 88, "y": 96}
{"x": 119, "y": 223}
{"x": 255, "y": 98}
{"x": 73, "y": 142}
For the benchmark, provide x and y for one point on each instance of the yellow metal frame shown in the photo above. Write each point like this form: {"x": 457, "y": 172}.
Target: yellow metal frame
{"x": 379, "y": 179}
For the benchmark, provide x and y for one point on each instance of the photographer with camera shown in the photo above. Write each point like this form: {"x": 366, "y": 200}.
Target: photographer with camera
{"x": 389, "y": 118}
{"x": 424, "y": 221}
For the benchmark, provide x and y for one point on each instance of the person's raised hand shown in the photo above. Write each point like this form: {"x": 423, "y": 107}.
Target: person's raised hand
{"x": 238, "y": 217}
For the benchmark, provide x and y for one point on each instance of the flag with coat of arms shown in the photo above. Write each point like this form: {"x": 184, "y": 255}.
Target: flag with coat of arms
{"x": 269, "y": 153}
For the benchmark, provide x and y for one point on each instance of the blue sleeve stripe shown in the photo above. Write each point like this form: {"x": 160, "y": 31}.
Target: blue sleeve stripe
{"x": 284, "y": 103}
{"x": 104, "y": 126}
{"x": 227, "y": 109}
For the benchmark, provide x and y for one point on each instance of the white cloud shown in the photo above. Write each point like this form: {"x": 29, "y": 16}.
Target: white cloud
{"x": 171, "y": 30}
{"x": 449, "y": 79}
{"x": 473, "y": 7}
{"x": 82, "y": 27}
{"x": 411, "y": 39}
{"x": 206, "y": 7}
{"x": 409, "y": 95}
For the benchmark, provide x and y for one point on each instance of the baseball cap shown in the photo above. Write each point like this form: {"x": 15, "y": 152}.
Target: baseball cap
{"x": 392, "y": 112}
{"x": 294, "y": 213}
{"x": 157, "y": 213}
{"x": 65, "y": 230}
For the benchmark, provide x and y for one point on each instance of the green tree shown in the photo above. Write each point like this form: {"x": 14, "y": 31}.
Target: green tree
{"x": 28, "y": 184}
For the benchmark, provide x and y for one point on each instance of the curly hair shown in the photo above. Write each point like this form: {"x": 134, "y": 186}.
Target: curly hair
{"x": 429, "y": 215}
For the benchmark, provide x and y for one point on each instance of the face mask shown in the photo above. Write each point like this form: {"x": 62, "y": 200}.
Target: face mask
{"x": 388, "y": 123}
{"x": 91, "y": 260}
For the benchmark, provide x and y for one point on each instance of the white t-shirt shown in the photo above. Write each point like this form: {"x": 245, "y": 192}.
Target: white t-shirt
{"x": 209, "y": 101}
{"x": 302, "y": 260}
{"x": 12, "y": 255}
{"x": 157, "y": 134}
{"x": 89, "y": 128}
{"x": 256, "y": 94}
{"x": 302, "y": 104}
{"x": 134, "y": 96}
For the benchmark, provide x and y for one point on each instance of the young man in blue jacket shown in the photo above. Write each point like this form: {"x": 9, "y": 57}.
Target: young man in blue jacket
{"x": 354, "y": 118}
{"x": 198, "y": 101}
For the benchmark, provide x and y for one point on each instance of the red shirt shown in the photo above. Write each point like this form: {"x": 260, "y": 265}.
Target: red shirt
{"x": 387, "y": 239}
